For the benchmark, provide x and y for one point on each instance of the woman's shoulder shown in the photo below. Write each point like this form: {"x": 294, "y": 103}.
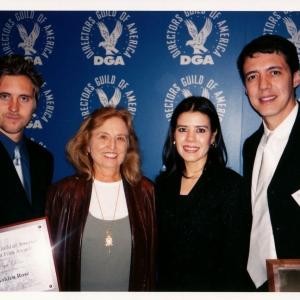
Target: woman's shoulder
{"x": 70, "y": 190}
{"x": 166, "y": 178}
{"x": 69, "y": 179}
{"x": 146, "y": 183}
{"x": 228, "y": 175}
{"x": 70, "y": 182}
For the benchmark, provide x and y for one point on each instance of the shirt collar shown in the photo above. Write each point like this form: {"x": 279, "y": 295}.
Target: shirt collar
{"x": 10, "y": 144}
{"x": 284, "y": 129}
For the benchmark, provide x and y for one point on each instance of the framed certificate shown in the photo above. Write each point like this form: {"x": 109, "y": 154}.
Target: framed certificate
{"x": 283, "y": 275}
{"x": 26, "y": 260}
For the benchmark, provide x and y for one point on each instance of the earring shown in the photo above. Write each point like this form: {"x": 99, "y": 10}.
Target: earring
{"x": 174, "y": 142}
{"x": 213, "y": 145}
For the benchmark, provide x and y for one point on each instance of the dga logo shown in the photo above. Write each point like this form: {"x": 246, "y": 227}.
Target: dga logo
{"x": 28, "y": 33}
{"x": 195, "y": 85}
{"x": 45, "y": 109}
{"x": 197, "y": 37}
{"x": 284, "y": 24}
{"x": 109, "y": 37}
{"x": 104, "y": 91}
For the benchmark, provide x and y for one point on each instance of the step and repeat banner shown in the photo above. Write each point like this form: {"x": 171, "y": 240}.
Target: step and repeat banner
{"x": 145, "y": 61}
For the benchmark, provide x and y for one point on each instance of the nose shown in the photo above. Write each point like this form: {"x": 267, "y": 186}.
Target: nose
{"x": 13, "y": 105}
{"x": 190, "y": 135}
{"x": 264, "y": 82}
{"x": 112, "y": 143}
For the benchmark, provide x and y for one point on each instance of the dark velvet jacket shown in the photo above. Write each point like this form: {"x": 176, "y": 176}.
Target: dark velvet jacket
{"x": 199, "y": 235}
{"x": 14, "y": 204}
{"x": 67, "y": 209}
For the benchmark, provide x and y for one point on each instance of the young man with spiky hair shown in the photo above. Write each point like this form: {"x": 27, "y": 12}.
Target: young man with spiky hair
{"x": 26, "y": 168}
{"x": 269, "y": 68}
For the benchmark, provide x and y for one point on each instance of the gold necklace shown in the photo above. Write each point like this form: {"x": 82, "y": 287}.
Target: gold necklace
{"x": 108, "y": 239}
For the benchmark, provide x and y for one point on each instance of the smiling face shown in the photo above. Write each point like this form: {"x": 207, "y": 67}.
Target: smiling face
{"x": 17, "y": 103}
{"x": 270, "y": 86}
{"x": 193, "y": 137}
{"x": 108, "y": 147}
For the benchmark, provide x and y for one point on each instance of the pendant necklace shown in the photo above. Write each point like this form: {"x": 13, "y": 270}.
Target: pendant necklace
{"x": 108, "y": 239}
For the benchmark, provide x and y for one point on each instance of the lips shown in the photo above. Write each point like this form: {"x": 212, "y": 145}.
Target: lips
{"x": 190, "y": 149}
{"x": 12, "y": 116}
{"x": 267, "y": 98}
{"x": 110, "y": 155}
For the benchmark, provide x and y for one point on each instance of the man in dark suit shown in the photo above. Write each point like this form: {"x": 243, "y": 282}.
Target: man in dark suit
{"x": 269, "y": 68}
{"x": 26, "y": 168}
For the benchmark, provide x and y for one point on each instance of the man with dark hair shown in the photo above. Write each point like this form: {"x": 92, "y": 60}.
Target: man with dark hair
{"x": 269, "y": 68}
{"x": 26, "y": 168}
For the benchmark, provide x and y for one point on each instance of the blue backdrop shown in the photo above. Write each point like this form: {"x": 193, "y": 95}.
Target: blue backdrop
{"x": 144, "y": 61}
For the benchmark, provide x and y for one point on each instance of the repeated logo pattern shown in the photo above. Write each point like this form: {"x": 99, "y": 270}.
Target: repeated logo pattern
{"x": 109, "y": 38}
{"x": 284, "y": 24}
{"x": 107, "y": 90}
{"x": 30, "y": 34}
{"x": 197, "y": 38}
{"x": 195, "y": 85}
{"x": 143, "y": 61}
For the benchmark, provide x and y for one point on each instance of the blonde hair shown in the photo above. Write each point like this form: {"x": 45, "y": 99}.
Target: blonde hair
{"x": 77, "y": 147}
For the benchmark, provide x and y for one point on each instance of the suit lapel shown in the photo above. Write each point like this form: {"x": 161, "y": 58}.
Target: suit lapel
{"x": 34, "y": 172}
{"x": 250, "y": 153}
{"x": 290, "y": 155}
{"x": 7, "y": 170}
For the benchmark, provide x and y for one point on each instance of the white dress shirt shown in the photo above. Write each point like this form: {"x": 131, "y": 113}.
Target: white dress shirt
{"x": 276, "y": 144}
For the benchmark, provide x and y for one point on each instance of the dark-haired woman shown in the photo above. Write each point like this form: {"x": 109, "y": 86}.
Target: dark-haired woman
{"x": 198, "y": 203}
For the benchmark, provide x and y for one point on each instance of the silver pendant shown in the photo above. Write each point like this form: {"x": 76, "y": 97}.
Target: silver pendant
{"x": 108, "y": 241}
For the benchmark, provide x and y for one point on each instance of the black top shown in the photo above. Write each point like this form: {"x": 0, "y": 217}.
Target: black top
{"x": 199, "y": 234}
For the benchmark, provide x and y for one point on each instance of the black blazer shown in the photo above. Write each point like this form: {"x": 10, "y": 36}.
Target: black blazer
{"x": 284, "y": 210}
{"x": 199, "y": 243}
{"x": 14, "y": 205}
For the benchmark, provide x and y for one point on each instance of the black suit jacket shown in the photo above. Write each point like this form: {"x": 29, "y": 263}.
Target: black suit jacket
{"x": 14, "y": 205}
{"x": 199, "y": 235}
{"x": 284, "y": 210}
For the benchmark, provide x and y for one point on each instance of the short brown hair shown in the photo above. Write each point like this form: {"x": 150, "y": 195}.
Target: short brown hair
{"x": 17, "y": 65}
{"x": 77, "y": 147}
{"x": 269, "y": 44}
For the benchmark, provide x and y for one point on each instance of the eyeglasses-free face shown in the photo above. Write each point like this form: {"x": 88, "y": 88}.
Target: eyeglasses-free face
{"x": 193, "y": 137}
{"x": 270, "y": 86}
{"x": 17, "y": 103}
{"x": 108, "y": 145}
